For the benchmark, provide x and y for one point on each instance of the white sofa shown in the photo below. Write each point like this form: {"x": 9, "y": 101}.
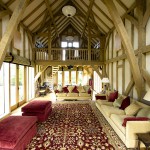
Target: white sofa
{"x": 81, "y": 95}
{"x": 115, "y": 118}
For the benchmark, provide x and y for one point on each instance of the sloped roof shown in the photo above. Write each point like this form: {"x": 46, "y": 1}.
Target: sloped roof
{"x": 39, "y": 14}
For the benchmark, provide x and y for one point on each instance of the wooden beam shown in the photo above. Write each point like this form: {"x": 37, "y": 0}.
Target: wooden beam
{"x": 122, "y": 5}
{"x": 51, "y": 15}
{"x": 87, "y": 16}
{"x": 97, "y": 71}
{"x": 4, "y": 13}
{"x": 127, "y": 45}
{"x": 129, "y": 87}
{"x": 132, "y": 19}
{"x": 146, "y": 15}
{"x": 146, "y": 76}
{"x": 39, "y": 73}
{"x": 11, "y": 28}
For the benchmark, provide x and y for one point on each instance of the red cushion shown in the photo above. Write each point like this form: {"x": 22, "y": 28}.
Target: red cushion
{"x": 56, "y": 91}
{"x": 113, "y": 96}
{"x": 13, "y": 129}
{"x": 75, "y": 90}
{"x": 100, "y": 97}
{"x": 134, "y": 119}
{"x": 125, "y": 103}
{"x": 89, "y": 91}
{"x": 65, "y": 90}
{"x": 36, "y": 106}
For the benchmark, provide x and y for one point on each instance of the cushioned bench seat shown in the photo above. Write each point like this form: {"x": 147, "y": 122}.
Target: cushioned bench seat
{"x": 39, "y": 108}
{"x": 16, "y": 132}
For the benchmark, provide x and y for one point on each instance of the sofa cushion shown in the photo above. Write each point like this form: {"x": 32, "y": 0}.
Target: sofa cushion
{"x": 80, "y": 89}
{"x": 133, "y": 119}
{"x": 86, "y": 88}
{"x": 72, "y": 94}
{"x": 75, "y": 90}
{"x": 125, "y": 103}
{"x": 84, "y": 94}
{"x": 70, "y": 88}
{"x": 59, "y": 88}
{"x": 118, "y": 101}
{"x": 132, "y": 109}
{"x": 113, "y": 96}
{"x": 144, "y": 112}
{"x": 104, "y": 102}
{"x": 112, "y": 110}
{"x": 117, "y": 120}
{"x": 61, "y": 94}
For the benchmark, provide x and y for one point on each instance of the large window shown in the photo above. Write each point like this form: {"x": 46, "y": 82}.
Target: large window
{"x": 4, "y": 92}
{"x": 13, "y": 84}
{"x": 66, "y": 77}
{"x": 73, "y": 77}
{"x": 60, "y": 77}
{"x": 21, "y": 83}
{"x": 80, "y": 77}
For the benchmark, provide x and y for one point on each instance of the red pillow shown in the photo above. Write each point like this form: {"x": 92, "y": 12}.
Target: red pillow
{"x": 113, "y": 96}
{"x": 134, "y": 119}
{"x": 89, "y": 91}
{"x": 56, "y": 91}
{"x": 65, "y": 90}
{"x": 125, "y": 103}
{"x": 75, "y": 90}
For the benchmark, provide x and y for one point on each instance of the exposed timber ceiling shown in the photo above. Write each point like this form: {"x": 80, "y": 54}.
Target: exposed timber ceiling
{"x": 40, "y": 14}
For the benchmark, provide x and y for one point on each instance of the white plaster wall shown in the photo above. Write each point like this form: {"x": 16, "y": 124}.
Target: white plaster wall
{"x": 135, "y": 95}
{"x": 110, "y": 47}
{"x": 114, "y": 50}
{"x": 148, "y": 33}
{"x": 127, "y": 73}
{"x": 26, "y": 47}
{"x": 135, "y": 41}
{"x": 110, "y": 73}
{"x": 128, "y": 28}
{"x": 114, "y": 75}
{"x": 120, "y": 80}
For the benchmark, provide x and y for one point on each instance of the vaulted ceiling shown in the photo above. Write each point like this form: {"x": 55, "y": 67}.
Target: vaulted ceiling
{"x": 41, "y": 14}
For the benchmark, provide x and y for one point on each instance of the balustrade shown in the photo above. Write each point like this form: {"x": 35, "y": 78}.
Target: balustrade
{"x": 59, "y": 54}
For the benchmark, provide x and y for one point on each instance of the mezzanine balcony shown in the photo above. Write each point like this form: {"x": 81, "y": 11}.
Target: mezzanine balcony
{"x": 61, "y": 56}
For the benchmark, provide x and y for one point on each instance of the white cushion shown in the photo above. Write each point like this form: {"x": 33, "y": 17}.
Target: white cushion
{"x": 80, "y": 89}
{"x": 70, "y": 88}
{"x": 84, "y": 94}
{"x": 132, "y": 109}
{"x": 112, "y": 110}
{"x": 72, "y": 94}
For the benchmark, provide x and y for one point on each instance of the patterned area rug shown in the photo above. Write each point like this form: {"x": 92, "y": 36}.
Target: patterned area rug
{"x": 75, "y": 126}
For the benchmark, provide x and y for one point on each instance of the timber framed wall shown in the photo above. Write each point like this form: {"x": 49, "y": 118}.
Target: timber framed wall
{"x": 117, "y": 65}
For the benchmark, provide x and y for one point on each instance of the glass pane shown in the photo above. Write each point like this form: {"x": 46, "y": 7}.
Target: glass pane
{"x": 60, "y": 77}
{"x": 73, "y": 77}
{"x": 80, "y": 77}
{"x": 2, "y": 100}
{"x": 31, "y": 83}
{"x": 21, "y": 82}
{"x": 76, "y": 44}
{"x": 69, "y": 44}
{"x": 66, "y": 77}
{"x": 13, "y": 83}
{"x": 63, "y": 44}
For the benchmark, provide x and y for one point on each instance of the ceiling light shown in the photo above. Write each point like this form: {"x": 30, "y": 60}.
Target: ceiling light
{"x": 69, "y": 11}
{"x": 69, "y": 38}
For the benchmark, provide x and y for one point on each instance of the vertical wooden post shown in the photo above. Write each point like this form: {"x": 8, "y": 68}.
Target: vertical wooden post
{"x": 49, "y": 42}
{"x": 11, "y": 27}
{"x": 89, "y": 43}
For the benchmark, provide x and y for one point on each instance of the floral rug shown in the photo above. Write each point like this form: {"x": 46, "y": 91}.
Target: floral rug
{"x": 75, "y": 126}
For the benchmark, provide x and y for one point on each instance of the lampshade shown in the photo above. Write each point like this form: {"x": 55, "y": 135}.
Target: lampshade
{"x": 105, "y": 80}
{"x": 147, "y": 96}
{"x": 69, "y": 11}
{"x": 69, "y": 38}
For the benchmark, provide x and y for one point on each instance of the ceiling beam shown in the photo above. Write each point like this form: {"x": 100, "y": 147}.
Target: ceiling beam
{"x": 4, "y": 13}
{"x": 146, "y": 16}
{"x": 127, "y": 45}
{"x": 51, "y": 15}
{"x": 11, "y": 28}
{"x": 87, "y": 16}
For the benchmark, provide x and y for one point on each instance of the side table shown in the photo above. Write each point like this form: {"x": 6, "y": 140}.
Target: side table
{"x": 145, "y": 138}
{"x": 100, "y": 96}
